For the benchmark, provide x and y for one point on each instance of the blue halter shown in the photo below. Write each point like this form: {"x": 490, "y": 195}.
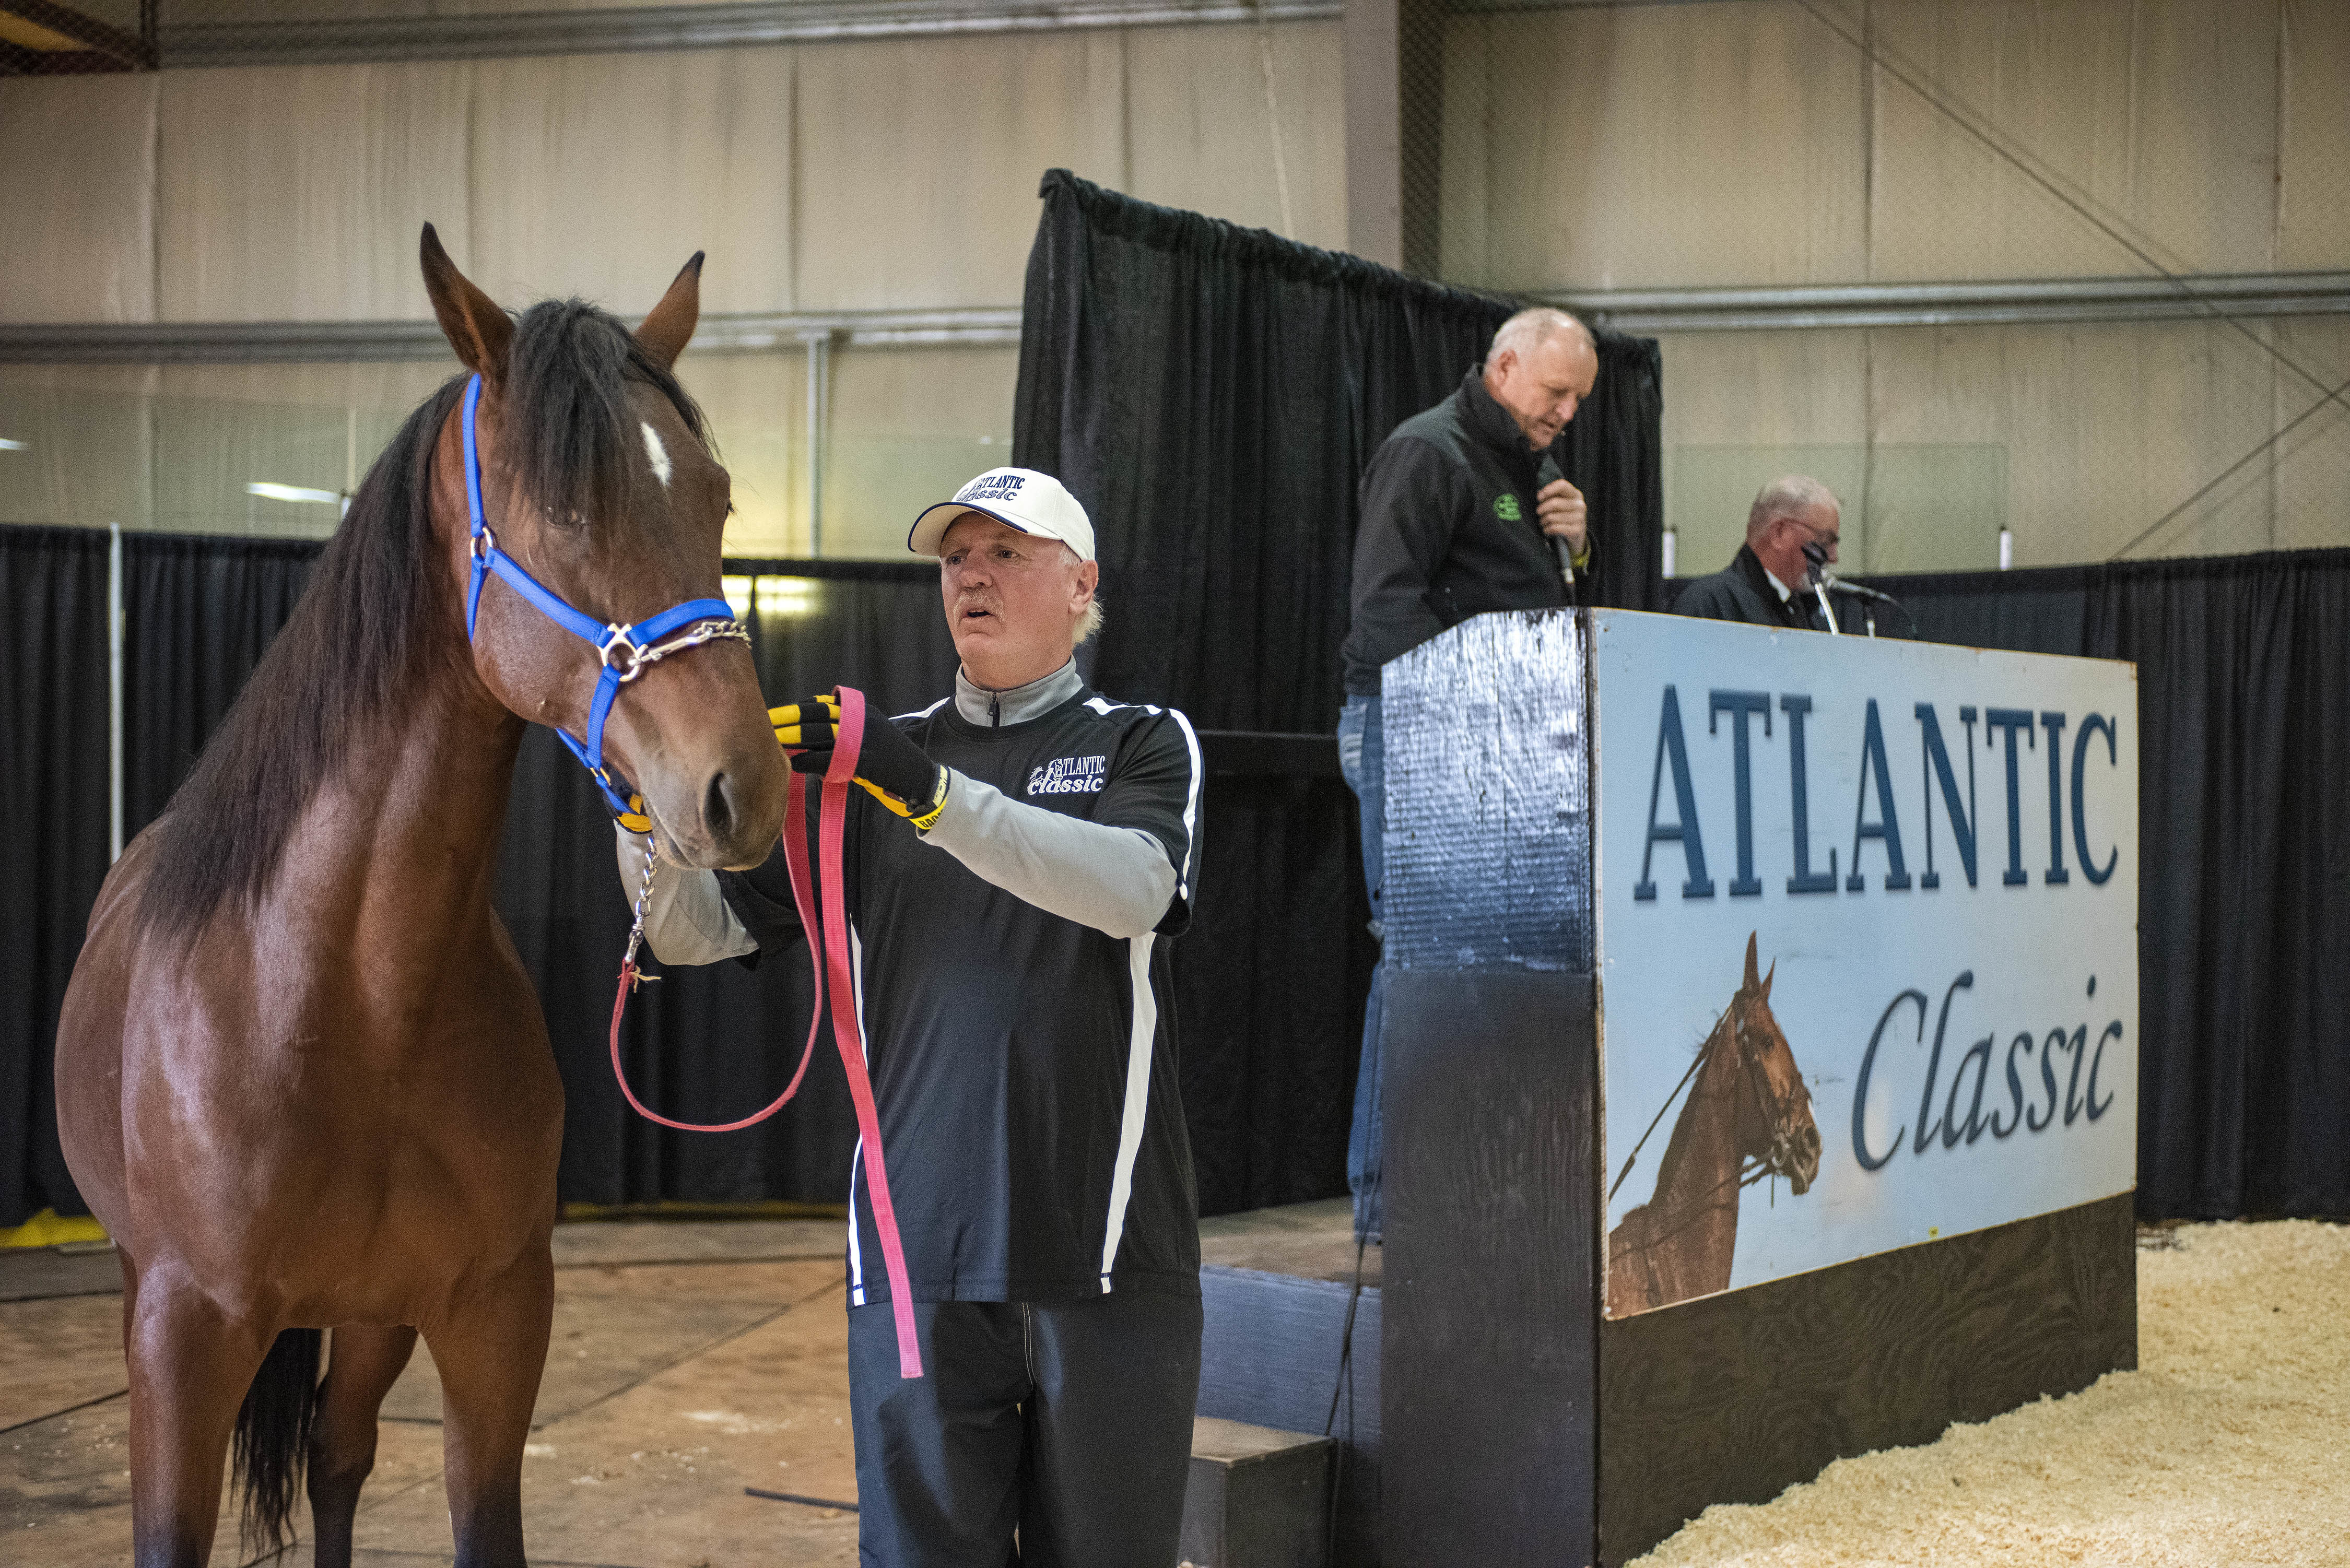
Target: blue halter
{"x": 624, "y": 651}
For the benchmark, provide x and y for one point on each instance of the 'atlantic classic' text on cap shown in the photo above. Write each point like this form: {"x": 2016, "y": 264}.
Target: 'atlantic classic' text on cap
{"x": 1018, "y": 498}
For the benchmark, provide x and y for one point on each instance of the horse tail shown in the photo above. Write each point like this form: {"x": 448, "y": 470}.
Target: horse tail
{"x": 273, "y": 1437}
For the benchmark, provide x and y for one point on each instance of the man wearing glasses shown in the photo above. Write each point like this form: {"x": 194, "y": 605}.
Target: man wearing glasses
{"x": 1764, "y": 585}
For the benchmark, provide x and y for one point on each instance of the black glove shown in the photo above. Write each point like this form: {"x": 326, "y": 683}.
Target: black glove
{"x": 891, "y": 768}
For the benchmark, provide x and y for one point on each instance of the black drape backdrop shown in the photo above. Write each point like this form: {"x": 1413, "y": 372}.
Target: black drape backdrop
{"x": 53, "y": 765}
{"x": 1211, "y": 393}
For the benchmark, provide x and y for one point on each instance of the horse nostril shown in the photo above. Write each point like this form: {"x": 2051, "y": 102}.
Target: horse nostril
{"x": 718, "y": 808}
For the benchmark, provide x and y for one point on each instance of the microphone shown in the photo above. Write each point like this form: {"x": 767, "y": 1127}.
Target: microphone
{"x": 1823, "y": 582}
{"x": 1546, "y": 471}
{"x": 1815, "y": 577}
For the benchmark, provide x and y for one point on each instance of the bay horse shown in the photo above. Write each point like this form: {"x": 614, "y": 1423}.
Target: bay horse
{"x": 1748, "y": 1115}
{"x": 302, "y": 1076}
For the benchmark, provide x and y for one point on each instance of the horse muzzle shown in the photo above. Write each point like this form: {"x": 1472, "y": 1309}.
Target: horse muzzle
{"x": 1800, "y": 1159}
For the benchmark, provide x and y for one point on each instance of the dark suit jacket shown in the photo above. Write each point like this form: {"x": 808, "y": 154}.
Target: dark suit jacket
{"x": 1743, "y": 593}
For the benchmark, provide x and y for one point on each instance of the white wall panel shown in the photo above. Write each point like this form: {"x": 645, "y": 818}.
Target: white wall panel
{"x": 2159, "y": 115}
{"x": 297, "y": 193}
{"x": 1651, "y": 146}
{"x": 2106, "y": 427}
{"x": 918, "y": 160}
{"x": 2313, "y": 163}
{"x": 1742, "y": 407}
{"x": 76, "y": 182}
{"x": 909, "y": 426}
{"x": 599, "y": 174}
{"x": 2313, "y": 460}
{"x": 1200, "y": 129}
{"x": 757, "y": 405}
{"x": 85, "y": 461}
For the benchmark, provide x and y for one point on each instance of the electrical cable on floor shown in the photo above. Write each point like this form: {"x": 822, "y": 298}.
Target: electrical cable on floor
{"x": 794, "y": 1497}
{"x": 1345, "y": 1381}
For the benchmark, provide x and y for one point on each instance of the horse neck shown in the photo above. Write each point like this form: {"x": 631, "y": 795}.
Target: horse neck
{"x": 405, "y": 833}
{"x": 1701, "y": 1164}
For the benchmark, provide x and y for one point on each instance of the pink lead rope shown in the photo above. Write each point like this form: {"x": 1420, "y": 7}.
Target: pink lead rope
{"x": 829, "y": 956}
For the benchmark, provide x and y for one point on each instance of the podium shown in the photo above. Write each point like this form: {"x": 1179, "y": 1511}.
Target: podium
{"x": 1761, "y": 1071}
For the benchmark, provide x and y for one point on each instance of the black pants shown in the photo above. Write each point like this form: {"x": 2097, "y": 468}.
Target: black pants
{"x": 1068, "y": 1421}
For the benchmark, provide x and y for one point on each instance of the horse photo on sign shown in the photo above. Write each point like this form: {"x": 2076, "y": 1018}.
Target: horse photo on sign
{"x": 1748, "y": 1116}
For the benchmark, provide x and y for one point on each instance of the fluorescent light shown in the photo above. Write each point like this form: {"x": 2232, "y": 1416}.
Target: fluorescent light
{"x": 8, "y": 445}
{"x": 269, "y": 492}
{"x": 776, "y": 596}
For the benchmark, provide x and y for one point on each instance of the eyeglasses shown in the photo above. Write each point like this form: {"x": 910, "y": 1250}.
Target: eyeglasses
{"x": 1831, "y": 539}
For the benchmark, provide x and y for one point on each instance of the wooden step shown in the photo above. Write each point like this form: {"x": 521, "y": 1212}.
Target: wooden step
{"x": 1258, "y": 1497}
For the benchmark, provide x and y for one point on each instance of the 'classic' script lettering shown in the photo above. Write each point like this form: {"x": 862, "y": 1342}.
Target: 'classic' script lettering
{"x": 1958, "y": 1116}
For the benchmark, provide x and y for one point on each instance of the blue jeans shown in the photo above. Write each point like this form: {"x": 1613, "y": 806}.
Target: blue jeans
{"x": 1362, "y": 758}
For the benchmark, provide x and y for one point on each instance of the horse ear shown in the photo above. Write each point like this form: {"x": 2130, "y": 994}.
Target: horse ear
{"x": 669, "y": 327}
{"x": 477, "y": 329}
{"x": 1769, "y": 978}
{"x": 1751, "y": 980}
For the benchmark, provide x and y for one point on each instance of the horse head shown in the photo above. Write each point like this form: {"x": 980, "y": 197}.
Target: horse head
{"x": 1775, "y": 1120}
{"x": 595, "y": 477}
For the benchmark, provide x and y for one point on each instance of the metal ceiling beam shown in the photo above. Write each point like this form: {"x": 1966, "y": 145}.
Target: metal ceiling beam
{"x": 2050, "y": 300}
{"x": 706, "y": 26}
{"x": 240, "y": 342}
{"x": 40, "y": 37}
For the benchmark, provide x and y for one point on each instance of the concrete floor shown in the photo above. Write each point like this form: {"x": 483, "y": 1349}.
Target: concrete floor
{"x": 688, "y": 1362}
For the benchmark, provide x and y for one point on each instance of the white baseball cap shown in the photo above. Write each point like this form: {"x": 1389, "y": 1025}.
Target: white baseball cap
{"x": 1018, "y": 498}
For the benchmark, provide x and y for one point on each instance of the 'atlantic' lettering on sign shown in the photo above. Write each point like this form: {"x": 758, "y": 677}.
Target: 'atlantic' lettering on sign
{"x": 1675, "y": 821}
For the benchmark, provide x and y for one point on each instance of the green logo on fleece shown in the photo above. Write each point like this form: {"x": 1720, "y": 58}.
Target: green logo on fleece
{"x": 1505, "y": 507}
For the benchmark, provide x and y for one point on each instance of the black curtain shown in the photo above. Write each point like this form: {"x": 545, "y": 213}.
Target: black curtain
{"x": 1211, "y": 393}
{"x": 2243, "y": 675}
{"x": 197, "y": 615}
{"x": 53, "y": 765}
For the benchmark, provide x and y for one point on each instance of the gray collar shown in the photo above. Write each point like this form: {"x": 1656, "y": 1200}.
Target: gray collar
{"x": 987, "y": 709}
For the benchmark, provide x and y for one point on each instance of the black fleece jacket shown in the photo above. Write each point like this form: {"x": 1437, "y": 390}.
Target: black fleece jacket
{"x": 1448, "y": 530}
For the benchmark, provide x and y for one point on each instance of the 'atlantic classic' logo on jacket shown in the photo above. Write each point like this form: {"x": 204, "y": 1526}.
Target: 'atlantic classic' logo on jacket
{"x": 1069, "y": 776}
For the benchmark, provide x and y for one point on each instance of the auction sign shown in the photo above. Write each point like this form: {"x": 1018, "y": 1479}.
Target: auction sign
{"x": 1867, "y": 946}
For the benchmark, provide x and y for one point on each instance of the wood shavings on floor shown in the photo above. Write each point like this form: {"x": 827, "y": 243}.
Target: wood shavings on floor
{"x": 2230, "y": 1444}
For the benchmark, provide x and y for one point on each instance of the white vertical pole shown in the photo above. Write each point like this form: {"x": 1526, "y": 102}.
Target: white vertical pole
{"x": 2006, "y": 550}
{"x": 820, "y": 387}
{"x": 114, "y": 692}
{"x": 1671, "y": 544}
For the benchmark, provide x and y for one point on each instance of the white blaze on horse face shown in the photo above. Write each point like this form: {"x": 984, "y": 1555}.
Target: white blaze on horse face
{"x": 657, "y": 453}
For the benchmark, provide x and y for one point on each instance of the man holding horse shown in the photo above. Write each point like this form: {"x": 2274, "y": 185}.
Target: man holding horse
{"x": 1015, "y": 857}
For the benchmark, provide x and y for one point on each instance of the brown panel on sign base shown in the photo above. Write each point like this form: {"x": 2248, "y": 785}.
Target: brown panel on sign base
{"x": 1486, "y": 1352}
{"x": 1736, "y": 1397}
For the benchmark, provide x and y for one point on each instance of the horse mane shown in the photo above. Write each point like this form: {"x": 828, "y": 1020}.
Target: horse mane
{"x": 359, "y": 636}
{"x": 1677, "y": 1141}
